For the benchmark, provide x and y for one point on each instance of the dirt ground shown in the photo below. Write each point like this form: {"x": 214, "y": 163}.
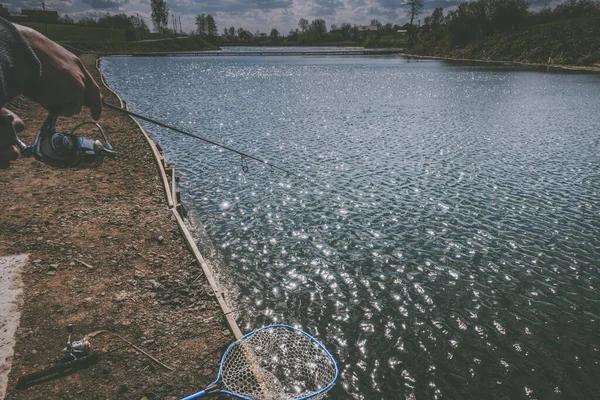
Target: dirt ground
{"x": 141, "y": 281}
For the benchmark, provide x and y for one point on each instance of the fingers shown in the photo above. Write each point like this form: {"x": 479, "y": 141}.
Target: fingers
{"x": 64, "y": 85}
{"x": 8, "y": 154}
{"x": 92, "y": 95}
{"x": 18, "y": 123}
{"x": 8, "y": 122}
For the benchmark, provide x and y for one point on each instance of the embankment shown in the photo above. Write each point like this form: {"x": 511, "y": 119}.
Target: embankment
{"x": 572, "y": 43}
{"x": 106, "y": 253}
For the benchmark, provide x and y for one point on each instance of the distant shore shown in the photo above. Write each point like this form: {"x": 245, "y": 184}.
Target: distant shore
{"x": 519, "y": 64}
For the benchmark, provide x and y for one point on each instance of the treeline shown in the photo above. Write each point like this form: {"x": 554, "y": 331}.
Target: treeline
{"x": 314, "y": 31}
{"x": 116, "y": 21}
{"x": 480, "y": 19}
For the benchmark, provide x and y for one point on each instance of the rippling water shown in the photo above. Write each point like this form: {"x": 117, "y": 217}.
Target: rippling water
{"x": 453, "y": 247}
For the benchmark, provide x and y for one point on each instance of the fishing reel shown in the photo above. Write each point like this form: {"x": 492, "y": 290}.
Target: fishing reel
{"x": 76, "y": 349}
{"x": 64, "y": 150}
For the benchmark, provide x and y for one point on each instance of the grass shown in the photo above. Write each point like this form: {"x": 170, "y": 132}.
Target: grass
{"x": 570, "y": 42}
{"x": 65, "y": 33}
{"x": 192, "y": 43}
{"x": 80, "y": 38}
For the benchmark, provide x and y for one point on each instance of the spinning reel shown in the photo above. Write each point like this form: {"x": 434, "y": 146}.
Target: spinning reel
{"x": 75, "y": 349}
{"x": 63, "y": 150}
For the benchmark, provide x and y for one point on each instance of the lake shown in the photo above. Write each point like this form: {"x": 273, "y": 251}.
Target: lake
{"x": 447, "y": 244}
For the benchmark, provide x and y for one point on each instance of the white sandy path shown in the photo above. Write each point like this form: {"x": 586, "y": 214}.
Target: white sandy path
{"x": 10, "y": 311}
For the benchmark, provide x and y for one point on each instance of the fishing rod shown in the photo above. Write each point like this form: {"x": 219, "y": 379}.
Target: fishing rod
{"x": 242, "y": 154}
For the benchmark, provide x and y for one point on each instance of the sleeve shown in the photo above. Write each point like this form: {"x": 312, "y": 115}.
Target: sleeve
{"x": 20, "y": 69}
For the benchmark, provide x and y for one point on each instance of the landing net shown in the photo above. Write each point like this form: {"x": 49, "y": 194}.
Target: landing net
{"x": 278, "y": 362}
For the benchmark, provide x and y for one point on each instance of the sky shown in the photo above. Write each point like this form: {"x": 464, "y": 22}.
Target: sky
{"x": 252, "y": 15}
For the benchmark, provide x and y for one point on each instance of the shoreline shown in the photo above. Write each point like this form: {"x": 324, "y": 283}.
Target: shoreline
{"x": 520, "y": 64}
{"x": 374, "y": 52}
{"x": 106, "y": 252}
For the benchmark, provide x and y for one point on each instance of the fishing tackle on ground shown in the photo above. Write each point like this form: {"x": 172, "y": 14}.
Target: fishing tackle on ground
{"x": 76, "y": 349}
{"x": 276, "y": 362}
{"x": 62, "y": 150}
{"x": 77, "y": 354}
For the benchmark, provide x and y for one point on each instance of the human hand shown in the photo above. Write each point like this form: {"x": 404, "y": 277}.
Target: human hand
{"x": 8, "y": 150}
{"x": 65, "y": 84}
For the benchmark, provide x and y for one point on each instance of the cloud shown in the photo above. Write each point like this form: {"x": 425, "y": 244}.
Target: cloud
{"x": 106, "y": 4}
{"x": 229, "y": 6}
{"x": 254, "y": 15}
{"x": 326, "y": 7}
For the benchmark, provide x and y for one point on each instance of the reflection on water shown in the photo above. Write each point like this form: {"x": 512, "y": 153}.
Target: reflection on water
{"x": 451, "y": 249}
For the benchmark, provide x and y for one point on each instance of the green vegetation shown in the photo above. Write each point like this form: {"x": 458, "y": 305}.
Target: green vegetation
{"x": 61, "y": 33}
{"x": 160, "y": 14}
{"x": 81, "y": 38}
{"x": 494, "y": 30}
{"x": 179, "y": 44}
{"x": 504, "y": 30}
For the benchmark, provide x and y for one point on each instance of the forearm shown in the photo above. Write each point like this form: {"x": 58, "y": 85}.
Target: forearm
{"x": 19, "y": 66}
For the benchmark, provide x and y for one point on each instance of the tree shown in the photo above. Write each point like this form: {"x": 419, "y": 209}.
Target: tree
{"x": 293, "y": 34}
{"x": 211, "y": 26}
{"x": 65, "y": 19}
{"x": 319, "y": 27}
{"x": 345, "y": 29}
{"x": 274, "y": 34}
{"x": 201, "y": 24}
{"x": 303, "y": 24}
{"x": 87, "y": 21}
{"x": 437, "y": 16}
{"x": 117, "y": 21}
{"x": 413, "y": 8}
{"x": 244, "y": 35}
{"x": 160, "y": 14}
{"x": 376, "y": 23}
{"x": 231, "y": 31}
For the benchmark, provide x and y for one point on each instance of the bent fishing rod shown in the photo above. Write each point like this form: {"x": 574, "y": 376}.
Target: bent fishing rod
{"x": 242, "y": 154}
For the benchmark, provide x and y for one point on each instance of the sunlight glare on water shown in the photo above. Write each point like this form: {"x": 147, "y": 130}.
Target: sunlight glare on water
{"x": 451, "y": 247}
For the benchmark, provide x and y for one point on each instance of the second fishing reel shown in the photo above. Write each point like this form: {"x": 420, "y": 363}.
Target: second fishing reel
{"x": 65, "y": 150}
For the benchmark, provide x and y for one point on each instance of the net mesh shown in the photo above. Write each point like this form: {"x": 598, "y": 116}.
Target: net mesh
{"x": 277, "y": 363}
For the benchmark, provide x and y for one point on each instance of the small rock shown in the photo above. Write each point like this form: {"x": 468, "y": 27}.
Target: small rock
{"x": 155, "y": 284}
{"x": 37, "y": 261}
{"x": 121, "y": 296}
{"x": 161, "y": 239}
{"x": 51, "y": 273}
{"x": 53, "y": 267}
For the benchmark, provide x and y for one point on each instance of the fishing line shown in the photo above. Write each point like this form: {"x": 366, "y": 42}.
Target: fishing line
{"x": 244, "y": 156}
